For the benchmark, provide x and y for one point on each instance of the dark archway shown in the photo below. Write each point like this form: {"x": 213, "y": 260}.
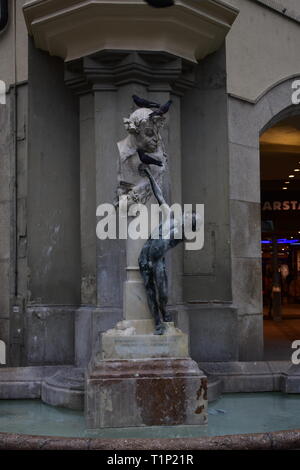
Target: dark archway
{"x": 280, "y": 241}
{"x": 247, "y": 122}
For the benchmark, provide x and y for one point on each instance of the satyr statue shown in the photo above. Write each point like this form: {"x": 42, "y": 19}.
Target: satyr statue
{"x": 143, "y": 141}
{"x": 152, "y": 263}
{"x": 141, "y": 148}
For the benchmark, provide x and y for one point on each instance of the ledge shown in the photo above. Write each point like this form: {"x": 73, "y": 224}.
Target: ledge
{"x": 59, "y": 385}
{"x": 250, "y": 377}
{"x": 55, "y": 385}
{"x": 280, "y": 440}
{"x": 72, "y": 29}
{"x": 64, "y": 385}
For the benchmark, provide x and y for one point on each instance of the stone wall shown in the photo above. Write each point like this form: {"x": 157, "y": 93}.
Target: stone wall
{"x": 262, "y": 49}
{"x": 53, "y": 211}
{"x": 205, "y": 163}
{"x": 214, "y": 159}
{"x": 8, "y": 49}
{"x": 6, "y": 217}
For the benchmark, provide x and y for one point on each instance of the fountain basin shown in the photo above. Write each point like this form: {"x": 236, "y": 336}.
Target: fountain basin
{"x": 272, "y": 419}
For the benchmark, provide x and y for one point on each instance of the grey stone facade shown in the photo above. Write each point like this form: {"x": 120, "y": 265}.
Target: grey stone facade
{"x": 60, "y": 286}
{"x": 220, "y": 283}
{"x": 52, "y": 275}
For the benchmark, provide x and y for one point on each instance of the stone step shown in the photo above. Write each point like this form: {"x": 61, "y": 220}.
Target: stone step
{"x": 65, "y": 389}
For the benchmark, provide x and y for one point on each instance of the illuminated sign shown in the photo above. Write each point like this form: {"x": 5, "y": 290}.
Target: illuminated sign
{"x": 281, "y": 206}
{"x": 281, "y": 241}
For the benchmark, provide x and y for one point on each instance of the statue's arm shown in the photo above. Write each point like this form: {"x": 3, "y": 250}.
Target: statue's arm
{"x": 165, "y": 208}
{"x": 155, "y": 188}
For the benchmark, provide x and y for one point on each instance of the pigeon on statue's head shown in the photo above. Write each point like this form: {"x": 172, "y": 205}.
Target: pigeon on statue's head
{"x": 142, "y": 103}
{"x": 162, "y": 110}
{"x": 160, "y": 3}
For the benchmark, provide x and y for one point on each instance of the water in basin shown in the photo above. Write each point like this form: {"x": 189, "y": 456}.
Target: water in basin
{"x": 236, "y": 413}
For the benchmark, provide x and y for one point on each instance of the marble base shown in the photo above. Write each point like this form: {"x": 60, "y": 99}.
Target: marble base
{"x": 145, "y": 392}
{"x": 134, "y": 339}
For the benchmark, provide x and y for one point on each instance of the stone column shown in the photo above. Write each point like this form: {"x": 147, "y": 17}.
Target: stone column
{"x": 276, "y": 311}
{"x": 102, "y": 265}
{"x": 135, "y": 301}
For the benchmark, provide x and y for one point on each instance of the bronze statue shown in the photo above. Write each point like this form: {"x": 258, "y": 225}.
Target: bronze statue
{"x": 152, "y": 257}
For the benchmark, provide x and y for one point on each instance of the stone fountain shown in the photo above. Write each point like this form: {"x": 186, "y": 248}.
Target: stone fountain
{"x": 140, "y": 376}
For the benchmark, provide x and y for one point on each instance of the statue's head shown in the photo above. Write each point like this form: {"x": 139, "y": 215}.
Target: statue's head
{"x": 145, "y": 129}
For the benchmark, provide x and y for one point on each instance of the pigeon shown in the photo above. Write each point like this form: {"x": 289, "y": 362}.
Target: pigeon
{"x": 142, "y": 103}
{"x": 162, "y": 110}
{"x": 147, "y": 159}
{"x": 160, "y": 3}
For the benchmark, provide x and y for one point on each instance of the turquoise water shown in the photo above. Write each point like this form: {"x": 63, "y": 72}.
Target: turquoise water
{"x": 237, "y": 413}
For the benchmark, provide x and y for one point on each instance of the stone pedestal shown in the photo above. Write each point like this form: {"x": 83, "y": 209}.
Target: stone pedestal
{"x": 135, "y": 340}
{"x": 140, "y": 379}
{"x": 135, "y": 304}
{"x": 145, "y": 392}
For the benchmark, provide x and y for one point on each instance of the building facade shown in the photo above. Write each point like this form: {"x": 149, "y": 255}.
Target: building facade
{"x": 70, "y": 68}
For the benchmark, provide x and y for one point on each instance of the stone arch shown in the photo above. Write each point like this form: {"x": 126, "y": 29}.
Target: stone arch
{"x": 292, "y": 110}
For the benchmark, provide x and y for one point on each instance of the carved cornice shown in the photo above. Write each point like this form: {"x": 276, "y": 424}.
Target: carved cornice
{"x": 76, "y": 28}
{"x": 107, "y": 70}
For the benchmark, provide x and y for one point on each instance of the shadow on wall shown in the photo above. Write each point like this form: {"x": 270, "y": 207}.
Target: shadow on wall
{"x": 160, "y": 3}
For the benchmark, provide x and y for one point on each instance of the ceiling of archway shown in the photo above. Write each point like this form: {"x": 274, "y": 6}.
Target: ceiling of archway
{"x": 280, "y": 153}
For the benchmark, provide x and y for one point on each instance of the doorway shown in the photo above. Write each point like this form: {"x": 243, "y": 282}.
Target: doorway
{"x": 280, "y": 241}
